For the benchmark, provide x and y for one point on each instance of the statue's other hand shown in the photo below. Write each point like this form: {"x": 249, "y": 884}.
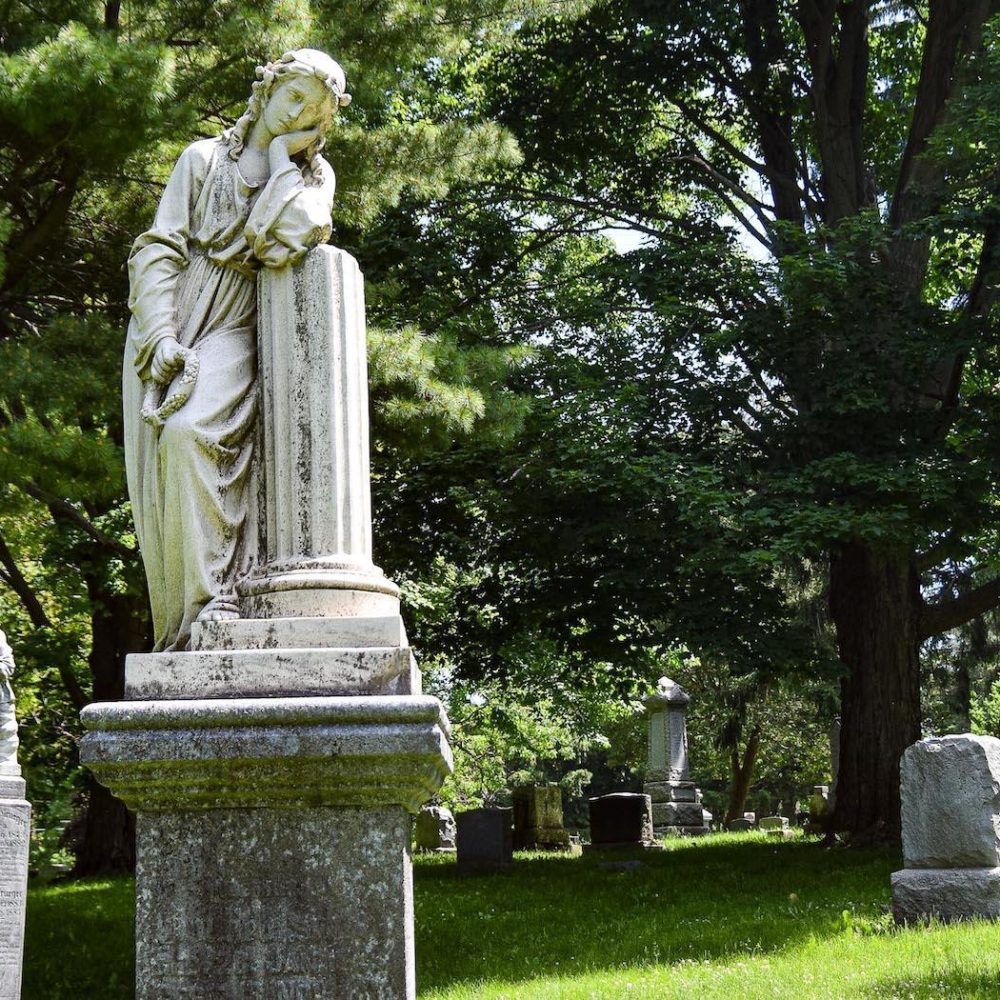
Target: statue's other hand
{"x": 168, "y": 358}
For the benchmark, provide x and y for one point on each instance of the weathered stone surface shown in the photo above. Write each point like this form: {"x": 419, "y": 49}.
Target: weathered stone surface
{"x": 15, "y": 838}
{"x": 485, "y": 840}
{"x": 304, "y": 903}
{"x": 538, "y": 818}
{"x": 740, "y": 825}
{"x": 945, "y": 893}
{"x": 314, "y": 413}
{"x": 676, "y": 800}
{"x": 248, "y": 673}
{"x": 256, "y": 752}
{"x": 950, "y": 799}
{"x": 273, "y": 839}
{"x": 435, "y": 829}
{"x": 621, "y": 820}
{"x": 299, "y": 633}
{"x": 677, "y": 814}
{"x": 672, "y": 791}
{"x": 775, "y": 826}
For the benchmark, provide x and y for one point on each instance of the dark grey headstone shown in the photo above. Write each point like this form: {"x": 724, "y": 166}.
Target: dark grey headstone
{"x": 485, "y": 840}
{"x": 622, "y": 819}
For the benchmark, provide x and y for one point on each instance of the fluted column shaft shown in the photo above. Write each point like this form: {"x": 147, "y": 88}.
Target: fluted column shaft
{"x": 314, "y": 412}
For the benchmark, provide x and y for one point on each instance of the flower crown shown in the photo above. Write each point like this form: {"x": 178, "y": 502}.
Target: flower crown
{"x": 308, "y": 62}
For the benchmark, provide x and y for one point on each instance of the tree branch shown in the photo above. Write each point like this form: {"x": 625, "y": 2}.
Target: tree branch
{"x": 64, "y": 510}
{"x": 940, "y": 617}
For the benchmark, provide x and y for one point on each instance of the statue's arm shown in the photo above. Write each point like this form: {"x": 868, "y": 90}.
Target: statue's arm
{"x": 160, "y": 254}
{"x": 291, "y": 217}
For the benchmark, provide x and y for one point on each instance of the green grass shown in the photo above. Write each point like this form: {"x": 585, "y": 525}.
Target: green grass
{"x": 726, "y": 916}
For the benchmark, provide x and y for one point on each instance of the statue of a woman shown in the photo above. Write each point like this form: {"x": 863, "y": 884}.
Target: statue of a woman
{"x": 258, "y": 195}
{"x": 8, "y": 721}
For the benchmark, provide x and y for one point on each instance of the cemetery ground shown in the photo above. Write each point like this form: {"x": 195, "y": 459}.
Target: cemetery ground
{"x": 732, "y": 915}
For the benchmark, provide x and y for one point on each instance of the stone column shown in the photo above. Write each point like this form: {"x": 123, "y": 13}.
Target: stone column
{"x": 274, "y": 766}
{"x": 15, "y": 837}
{"x": 317, "y": 534}
{"x": 676, "y": 802}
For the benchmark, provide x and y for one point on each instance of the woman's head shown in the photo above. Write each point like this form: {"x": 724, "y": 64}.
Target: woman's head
{"x": 304, "y": 89}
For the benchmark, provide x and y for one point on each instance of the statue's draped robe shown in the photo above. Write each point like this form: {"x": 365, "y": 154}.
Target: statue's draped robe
{"x": 193, "y": 277}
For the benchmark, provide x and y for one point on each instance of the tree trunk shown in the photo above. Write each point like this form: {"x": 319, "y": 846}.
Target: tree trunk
{"x": 104, "y": 838}
{"x": 875, "y": 605}
{"x": 742, "y": 773}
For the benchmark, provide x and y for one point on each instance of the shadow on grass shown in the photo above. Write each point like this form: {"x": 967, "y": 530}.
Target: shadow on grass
{"x": 79, "y": 941}
{"x": 724, "y": 896}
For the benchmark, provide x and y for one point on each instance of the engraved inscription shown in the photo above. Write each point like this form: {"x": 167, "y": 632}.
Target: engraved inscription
{"x": 15, "y": 831}
{"x": 657, "y": 741}
{"x": 272, "y": 904}
{"x": 677, "y": 740}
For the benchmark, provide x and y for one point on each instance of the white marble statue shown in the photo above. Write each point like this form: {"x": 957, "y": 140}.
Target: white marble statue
{"x": 8, "y": 721}
{"x": 258, "y": 195}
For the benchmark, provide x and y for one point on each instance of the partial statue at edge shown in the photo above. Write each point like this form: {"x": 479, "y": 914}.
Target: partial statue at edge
{"x": 258, "y": 195}
{"x": 8, "y": 720}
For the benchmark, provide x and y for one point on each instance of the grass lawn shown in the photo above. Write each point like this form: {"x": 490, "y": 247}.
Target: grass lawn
{"x": 734, "y": 916}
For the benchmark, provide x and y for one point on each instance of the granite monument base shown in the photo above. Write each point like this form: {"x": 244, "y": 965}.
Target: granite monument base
{"x": 946, "y": 894}
{"x": 677, "y": 808}
{"x": 273, "y": 840}
{"x": 15, "y": 836}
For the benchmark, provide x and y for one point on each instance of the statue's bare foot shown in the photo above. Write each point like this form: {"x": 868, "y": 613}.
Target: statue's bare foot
{"x": 219, "y": 609}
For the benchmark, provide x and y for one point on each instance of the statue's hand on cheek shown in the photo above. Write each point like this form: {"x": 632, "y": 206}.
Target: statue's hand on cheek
{"x": 283, "y": 147}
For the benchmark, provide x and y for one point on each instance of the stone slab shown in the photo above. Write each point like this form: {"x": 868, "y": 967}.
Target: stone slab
{"x": 950, "y": 802}
{"x": 298, "y": 633}
{"x": 946, "y": 894}
{"x": 251, "y": 673}
{"x": 15, "y": 838}
{"x": 677, "y": 814}
{"x": 485, "y": 840}
{"x": 253, "y": 752}
{"x": 740, "y": 825}
{"x": 672, "y": 791}
{"x": 771, "y": 823}
{"x": 267, "y": 903}
{"x": 435, "y": 829}
{"x": 621, "y": 818}
{"x": 538, "y": 818}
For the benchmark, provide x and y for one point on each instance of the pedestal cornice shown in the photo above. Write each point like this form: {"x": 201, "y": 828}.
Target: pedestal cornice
{"x": 269, "y": 752}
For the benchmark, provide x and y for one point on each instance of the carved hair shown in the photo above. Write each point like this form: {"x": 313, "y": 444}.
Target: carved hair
{"x": 298, "y": 62}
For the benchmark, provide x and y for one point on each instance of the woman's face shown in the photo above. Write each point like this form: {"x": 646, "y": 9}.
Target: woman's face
{"x": 296, "y": 103}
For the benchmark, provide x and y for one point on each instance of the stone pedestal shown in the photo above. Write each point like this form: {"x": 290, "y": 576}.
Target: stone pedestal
{"x": 275, "y": 765}
{"x": 676, "y": 801}
{"x": 15, "y": 837}
{"x": 950, "y": 811}
{"x": 273, "y": 839}
{"x": 538, "y": 819}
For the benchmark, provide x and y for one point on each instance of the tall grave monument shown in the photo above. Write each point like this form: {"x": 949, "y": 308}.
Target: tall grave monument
{"x": 276, "y": 741}
{"x": 676, "y": 802}
{"x": 15, "y": 837}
